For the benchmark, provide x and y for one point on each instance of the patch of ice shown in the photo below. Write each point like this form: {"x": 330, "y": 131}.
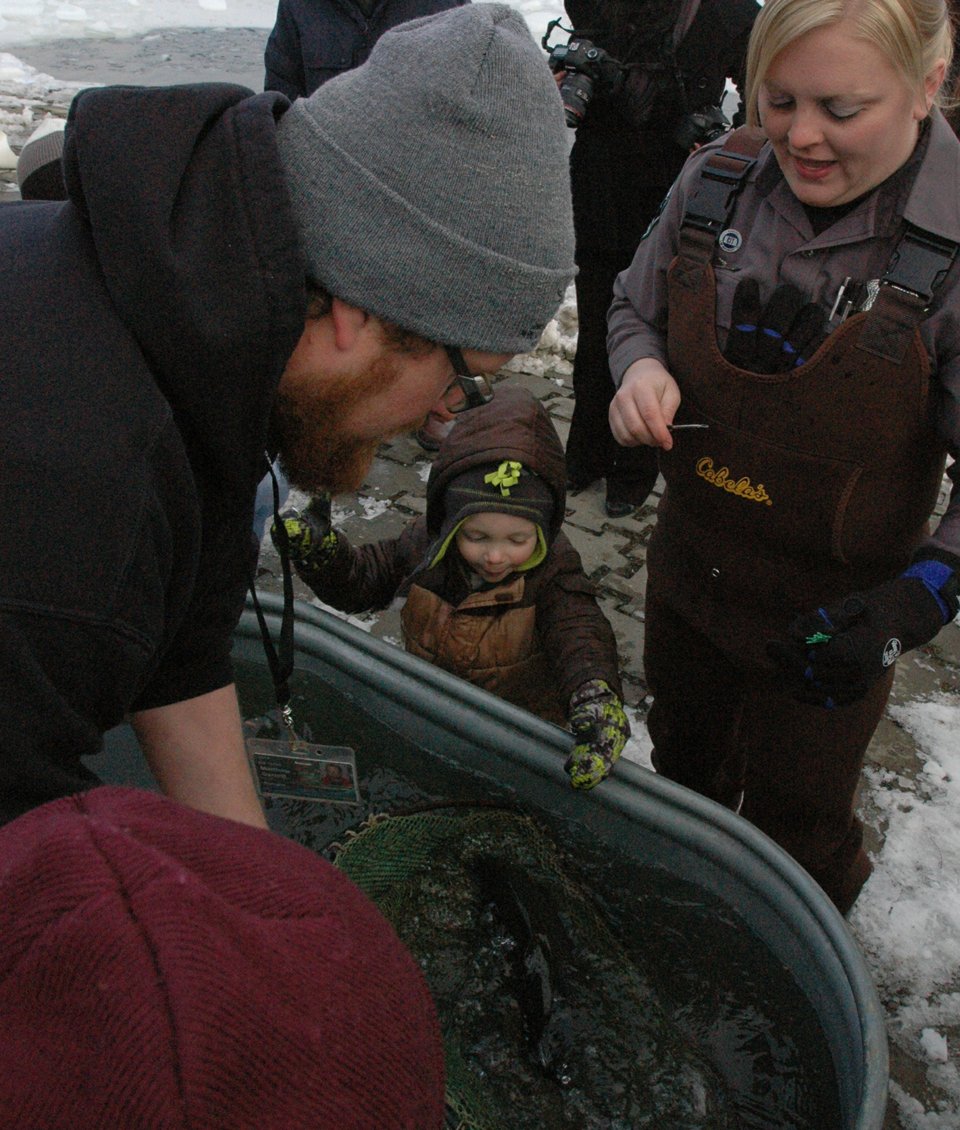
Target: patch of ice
{"x": 71, "y": 14}
{"x": 934, "y": 1044}
{"x": 8, "y": 159}
{"x": 372, "y": 507}
{"x": 638, "y": 747}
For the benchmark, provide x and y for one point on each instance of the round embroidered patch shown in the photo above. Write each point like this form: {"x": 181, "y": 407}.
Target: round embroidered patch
{"x": 890, "y": 652}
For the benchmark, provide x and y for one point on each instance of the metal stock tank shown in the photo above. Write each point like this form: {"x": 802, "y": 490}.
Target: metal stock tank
{"x": 757, "y": 965}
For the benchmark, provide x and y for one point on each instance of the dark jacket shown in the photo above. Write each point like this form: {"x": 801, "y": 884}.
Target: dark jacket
{"x": 664, "y": 81}
{"x": 315, "y": 40}
{"x": 146, "y": 323}
{"x": 625, "y": 157}
{"x": 533, "y": 638}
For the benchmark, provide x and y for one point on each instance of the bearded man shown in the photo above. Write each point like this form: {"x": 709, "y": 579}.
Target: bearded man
{"x": 232, "y": 277}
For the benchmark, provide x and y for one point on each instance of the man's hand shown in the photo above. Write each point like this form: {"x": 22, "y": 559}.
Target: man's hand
{"x": 644, "y": 405}
{"x": 832, "y": 656}
{"x": 598, "y": 720}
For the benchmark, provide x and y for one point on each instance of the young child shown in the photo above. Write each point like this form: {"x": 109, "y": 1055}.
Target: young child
{"x": 495, "y": 592}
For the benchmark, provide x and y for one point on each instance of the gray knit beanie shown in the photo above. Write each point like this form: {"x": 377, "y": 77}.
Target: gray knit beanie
{"x": 431, "y": 184}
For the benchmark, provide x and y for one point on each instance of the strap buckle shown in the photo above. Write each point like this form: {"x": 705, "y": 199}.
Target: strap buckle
{"x": 712, "y": 203}
{"x": 920, "y": 263}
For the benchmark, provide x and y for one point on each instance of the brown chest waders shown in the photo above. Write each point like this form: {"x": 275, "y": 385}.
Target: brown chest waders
{"x": 806, "y": 486}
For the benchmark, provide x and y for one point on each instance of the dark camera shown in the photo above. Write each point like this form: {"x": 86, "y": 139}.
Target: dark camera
{"x": 700, "y": 127}
{"x": 588, "y": 70}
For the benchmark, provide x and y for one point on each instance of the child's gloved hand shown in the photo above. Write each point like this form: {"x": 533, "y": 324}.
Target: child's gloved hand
{"x": 309, "y": 537}
{"x": 598, "y": 720}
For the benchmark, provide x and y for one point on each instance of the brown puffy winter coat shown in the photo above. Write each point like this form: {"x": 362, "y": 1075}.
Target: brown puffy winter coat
{"x": 535, "y": 637}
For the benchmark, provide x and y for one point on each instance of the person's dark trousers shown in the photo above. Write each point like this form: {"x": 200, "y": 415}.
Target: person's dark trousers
{"x": 797, "y": 766}
{"x": 617, "y": 184}
{"x": 592, "y": 452}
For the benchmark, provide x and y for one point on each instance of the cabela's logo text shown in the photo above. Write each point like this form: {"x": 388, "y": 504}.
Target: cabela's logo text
{"x": 741, "y": 487}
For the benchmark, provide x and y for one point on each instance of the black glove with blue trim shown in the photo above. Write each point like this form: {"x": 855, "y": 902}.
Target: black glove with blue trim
{"x": 777, "y": 337}
{"x": 834, "y": 655}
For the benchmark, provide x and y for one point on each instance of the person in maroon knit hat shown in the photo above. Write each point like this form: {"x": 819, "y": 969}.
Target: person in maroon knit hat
{"x": 164, "y": 968}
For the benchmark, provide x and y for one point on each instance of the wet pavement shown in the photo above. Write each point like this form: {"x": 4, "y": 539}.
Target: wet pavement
{"x": 166, "y": 56}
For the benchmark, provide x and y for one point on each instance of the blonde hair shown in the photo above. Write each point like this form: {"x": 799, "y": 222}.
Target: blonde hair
{"x": 913, "y": 34}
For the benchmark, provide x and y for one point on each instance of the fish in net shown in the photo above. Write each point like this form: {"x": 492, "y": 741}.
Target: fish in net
{"x": 547, "y": 1022}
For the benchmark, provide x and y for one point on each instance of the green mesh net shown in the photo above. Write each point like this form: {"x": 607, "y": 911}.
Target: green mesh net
{"x": 547, "y": 1022}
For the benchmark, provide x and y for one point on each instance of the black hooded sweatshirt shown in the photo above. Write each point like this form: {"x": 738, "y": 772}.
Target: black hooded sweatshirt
{"x": 146, "y": 322}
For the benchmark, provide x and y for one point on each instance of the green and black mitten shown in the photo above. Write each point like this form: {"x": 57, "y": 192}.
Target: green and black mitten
{"x": 600, "y": 725}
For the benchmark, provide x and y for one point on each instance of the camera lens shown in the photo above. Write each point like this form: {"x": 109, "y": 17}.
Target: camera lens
{"x": 575, "y": 93}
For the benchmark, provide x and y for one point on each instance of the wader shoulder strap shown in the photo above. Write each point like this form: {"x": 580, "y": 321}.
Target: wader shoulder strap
{"x": 916, "y": 270}
{"x": 711, "y": 203}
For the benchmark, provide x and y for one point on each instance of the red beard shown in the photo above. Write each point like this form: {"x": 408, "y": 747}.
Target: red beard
{"x": 308, "y": 429}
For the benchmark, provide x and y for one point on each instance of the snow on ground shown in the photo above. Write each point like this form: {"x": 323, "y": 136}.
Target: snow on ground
{"x": 27, "y": 98}
{"x": 908, "y": 918}
{"x": 26, "y": 21}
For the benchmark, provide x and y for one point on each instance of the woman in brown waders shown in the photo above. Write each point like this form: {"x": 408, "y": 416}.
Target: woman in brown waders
{"x": 788, "y": 335}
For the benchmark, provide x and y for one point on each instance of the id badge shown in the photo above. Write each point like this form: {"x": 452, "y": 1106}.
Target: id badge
{"x": 304, "y": 770}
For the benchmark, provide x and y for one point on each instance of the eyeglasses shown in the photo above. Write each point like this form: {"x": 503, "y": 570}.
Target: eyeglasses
{"x": 466, "y": 390}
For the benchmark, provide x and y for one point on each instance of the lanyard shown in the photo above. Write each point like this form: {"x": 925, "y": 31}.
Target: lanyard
{"x": 280, "y": 661}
